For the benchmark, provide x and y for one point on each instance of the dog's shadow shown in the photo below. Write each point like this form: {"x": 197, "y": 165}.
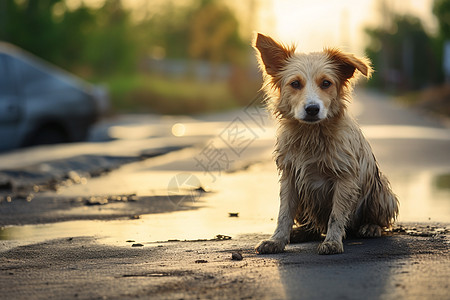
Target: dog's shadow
{"x": 363, "y": 271}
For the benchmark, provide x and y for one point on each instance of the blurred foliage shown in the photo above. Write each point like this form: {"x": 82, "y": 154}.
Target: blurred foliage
{"x": 403, "y": 55}
{"x": 205, "y": 30}
{"x": 443, "y": 181}
{"x": 109, "y": 44}
{"x": 140, "y": 92}
{"x": 441, "y": 9}
{"x": 434, "y": 100}
{"x": 85, "y": 40}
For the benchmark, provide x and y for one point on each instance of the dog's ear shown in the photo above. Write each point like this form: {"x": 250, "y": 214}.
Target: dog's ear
{"x": 273, "y": 56}
{"x": 347, "y": 64}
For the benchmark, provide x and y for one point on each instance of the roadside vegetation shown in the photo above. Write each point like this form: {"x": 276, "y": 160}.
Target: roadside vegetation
{"x": 434, "y": 100}
{"x": 408, "y": 60}
{"x": 152, "y": 93}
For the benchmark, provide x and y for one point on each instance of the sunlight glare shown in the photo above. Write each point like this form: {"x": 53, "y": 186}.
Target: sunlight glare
{"x": 130, "y": 132}
{"x": 178, "y": 129}
{"x": 313, "y": 25}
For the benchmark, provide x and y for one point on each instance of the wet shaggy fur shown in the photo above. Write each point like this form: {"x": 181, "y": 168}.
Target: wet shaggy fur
{"x": 330, "y": 181}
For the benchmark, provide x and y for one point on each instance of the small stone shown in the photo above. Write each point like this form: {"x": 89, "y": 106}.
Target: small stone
{"x": 201, "y": 189}
{"x": 222, "y": 237}
{"x": 236, "y": 256}
{"x": 201, "y": 261}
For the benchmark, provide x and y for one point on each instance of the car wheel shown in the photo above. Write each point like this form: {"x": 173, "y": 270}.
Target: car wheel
{"x": 48, "y": 135}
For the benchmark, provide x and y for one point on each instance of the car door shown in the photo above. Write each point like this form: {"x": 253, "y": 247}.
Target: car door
{"x": 10, "y": 105}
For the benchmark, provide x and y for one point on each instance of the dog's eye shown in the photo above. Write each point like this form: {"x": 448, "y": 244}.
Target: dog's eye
{"x": 325, "y": 84}
{"x": 296, "y": 84}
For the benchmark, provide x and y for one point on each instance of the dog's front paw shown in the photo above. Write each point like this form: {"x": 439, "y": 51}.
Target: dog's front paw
{"x": 331, "y": 247}
{"x": 269, "y": 247}
{"x": 370, "y": 231}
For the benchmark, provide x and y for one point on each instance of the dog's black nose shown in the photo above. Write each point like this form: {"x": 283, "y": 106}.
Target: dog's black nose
{"x": 312, "y": 110}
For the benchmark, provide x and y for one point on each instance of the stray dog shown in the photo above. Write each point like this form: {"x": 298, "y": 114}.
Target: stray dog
{"x": 330, "y": 181}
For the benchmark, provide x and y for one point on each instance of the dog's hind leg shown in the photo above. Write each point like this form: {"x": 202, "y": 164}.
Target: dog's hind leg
{"x": 370, "y": 230}
{"x": 378, "y": 210}
{"x": 286, "y": 215}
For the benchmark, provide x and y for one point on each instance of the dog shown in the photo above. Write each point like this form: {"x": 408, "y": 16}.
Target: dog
{"x": 330, "y": 182}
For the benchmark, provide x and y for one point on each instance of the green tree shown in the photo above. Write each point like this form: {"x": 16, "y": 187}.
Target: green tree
{"x": 85, "y": 40}
{"x": 214, "y": 34}
{"x": 166, "y": 31}
{"x": 205, "y": 30}
{"x": 441, "y": 9}
{"x": 30, "y": 25}
{"x": 402, "y": 54}
{"x": 110, "y": 44}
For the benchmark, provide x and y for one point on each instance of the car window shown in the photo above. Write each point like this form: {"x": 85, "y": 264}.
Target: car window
{"x": 34, "y": 80}
{"x": 6, "y": 82}
{"x": 9, "y": 101}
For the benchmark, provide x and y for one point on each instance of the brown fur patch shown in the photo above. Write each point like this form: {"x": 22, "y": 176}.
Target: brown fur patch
{"x": 272, "y": 55}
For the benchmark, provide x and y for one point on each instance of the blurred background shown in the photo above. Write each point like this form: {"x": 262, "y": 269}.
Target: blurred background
{"x": 194, "y": 56}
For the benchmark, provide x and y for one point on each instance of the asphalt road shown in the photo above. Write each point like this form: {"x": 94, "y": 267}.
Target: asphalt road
{"x": 125, "y": 219}
{"x": 398, "y": 267}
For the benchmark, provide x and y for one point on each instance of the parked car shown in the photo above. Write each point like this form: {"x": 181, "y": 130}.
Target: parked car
{"x": 42, "y": 104}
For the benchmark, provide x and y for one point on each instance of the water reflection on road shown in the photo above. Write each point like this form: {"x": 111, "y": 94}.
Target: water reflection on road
{"x": 252, "y": 194}
{"x": 424, "y": 196}
{"x": 256, "y": 210}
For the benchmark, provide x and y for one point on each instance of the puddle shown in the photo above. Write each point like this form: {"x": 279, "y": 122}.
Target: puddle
{"x": 150, "y": 228}
{"x": 204, "y": 223}
{"x": 405, "y": 132}
{"x": 423, "y": 196}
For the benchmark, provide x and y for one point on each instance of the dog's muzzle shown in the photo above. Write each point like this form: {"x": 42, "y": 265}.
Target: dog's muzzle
{"x": 312, "y": 113}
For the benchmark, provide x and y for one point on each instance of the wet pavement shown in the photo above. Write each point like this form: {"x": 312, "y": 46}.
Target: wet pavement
{"x": 163, "y": 180}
